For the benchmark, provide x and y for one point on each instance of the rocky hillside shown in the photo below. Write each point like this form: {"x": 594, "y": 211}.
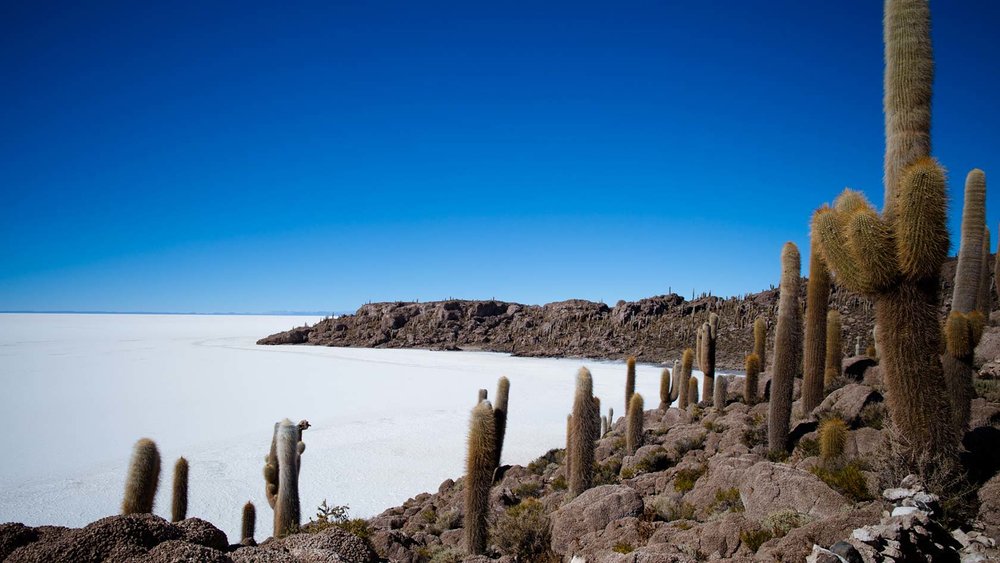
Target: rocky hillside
{"x": 657, "y": 329}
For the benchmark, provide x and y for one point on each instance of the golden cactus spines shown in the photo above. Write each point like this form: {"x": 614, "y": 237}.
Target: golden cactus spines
{"x": 834, "y": 351}
{"x": 970, "y": 251}
{"x": 760, "y": 341}
{"x": 479, "y": 466}
{"x": 787, "y": 350}
{"x": 908, "y": 80}
{"x": 633, "y": 428}
{"x": 179, "y": 498}
{"x": 629, "y": 379}
{"x": 869, "y": 239}
{"x": 962, "y": 334}
{"x": 664, "y": 389}
{"x": 832, "y": 438}
{"x": 921, "y": 230}
{"x": 143, "y": 478}
{"x": 814, "y": 356}
{"x": 750, "y": 381}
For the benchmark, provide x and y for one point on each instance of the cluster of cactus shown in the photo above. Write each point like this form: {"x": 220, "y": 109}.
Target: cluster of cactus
{"x": 834, "y": 361}
{"x": 683, "y": 379}
{"x": 786, "y": 351}
{"x": 143, "y": 478}
{"x": 814, "y": 354}
{"x": 896, "y": 257}
{"x": 281, "y": 475}
{"x": 582, "y": 433}
{"x": 750, "y": 381}
{"x": 969, "y": 302}
{"x": 633, "y": 424}
{"x": 705, "y": 349}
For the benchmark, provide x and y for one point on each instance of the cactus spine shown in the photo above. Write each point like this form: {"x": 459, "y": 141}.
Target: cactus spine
{"x": 675, "y": 385}
{"x": 760, "y": 341}
{"x": 687, "y": 361}
{"x": 249, "y": 523}
{"x": 968, "y": 271}
{"x": 786, "y": 350}
{"x": 833, "y": 347}
{"x": 693, "y": 391}
{"x": 664, "y": 389}
{"x": 832, "y": 438}
{"x": 143, "y": 478}
{"x": 500, "y": 414}
{"x": 814, "y": 357}
{"x": 750, "y": 382}
{"x": 179, "y": 503}
{"x": 706, "y": 355}
{"x": 281, "y": 475}
{"x": 581, "y": 435}
{"x": 633, "y": 431}
{"x": 479, "y": 466}
{"x": 629, "y": 380}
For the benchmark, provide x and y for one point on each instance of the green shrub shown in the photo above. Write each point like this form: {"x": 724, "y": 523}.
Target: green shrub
{"x": 622, "y": 547}
{"x": 539, "y": 466}
{"x": 607, "y": 473}
{"x": 755, "y": 435}
{"x": 780, "y": 523}
{"x": 873, "y": 415}
{"x": 446, "y": 555}
{"x": 338, "y": 516}
{"x": 848, "y": 480}
{"x": 429, "y": 515}
{"x": 559, "y": 483}
{"x": 777, "y": 456}
{"x": 685, "y": 478}
{"x": 528, "y": 489}
{"x": 657, "y": 461}
{"x": 523, "y": 531}
{"x": 809, "y": 447}
{"x": 727, "y": 500}
{"x": 449, "y": 520}
{"x": 668, "y": 510}
{"x": 755, "y": 538}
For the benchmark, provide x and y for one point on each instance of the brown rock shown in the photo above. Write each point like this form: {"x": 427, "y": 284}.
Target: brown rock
{"x": 176, "y": 551}
{"x": 198, "y": 531}
{"x": 592, "y": 511}
{"x": 855, "y": 366}
{"x": 768, "y": 488}
{"x": 115, "y": 538}
{"x": 848, "y": 401}
{"x": 989, "y": 507}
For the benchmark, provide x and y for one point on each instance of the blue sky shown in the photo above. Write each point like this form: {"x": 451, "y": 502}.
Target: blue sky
{"x": 244, "y": 156}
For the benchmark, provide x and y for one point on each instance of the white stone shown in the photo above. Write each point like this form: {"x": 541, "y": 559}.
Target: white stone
{"x": 904, "y": 510}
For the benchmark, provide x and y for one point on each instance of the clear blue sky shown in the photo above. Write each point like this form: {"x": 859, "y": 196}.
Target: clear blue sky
{"x": 243, "y": 156}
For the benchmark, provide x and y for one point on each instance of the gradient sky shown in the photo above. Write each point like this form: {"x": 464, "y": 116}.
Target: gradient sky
{"x": 245, "y": 156}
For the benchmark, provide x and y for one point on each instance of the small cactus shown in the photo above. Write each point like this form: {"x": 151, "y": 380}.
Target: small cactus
{"x": 500, "y": 414}
{"x": 750, "y": 382}
{"x": 611, "y": 417}
{"x": 143, "y": 478}
{"x": 833, "y": 348}
{"x": 760, "y": 340}
{"x": 664, "y": 389}
{"x": 633, "y": 432}
{"x": 629, "y": 380}
{"x": 675, "y": 384}
{"x": 693, "y": 391}
{"x": 787, "y": 348}
{"x": 582, "y": 435}
{"x": 179, "y": 504}
{"x": 719, "y": 393}
{"x": 249, "y": 523}
{"x": 832, "y": 438}
{"x": 604, "y": 426}
{"x": 479, "y": 466}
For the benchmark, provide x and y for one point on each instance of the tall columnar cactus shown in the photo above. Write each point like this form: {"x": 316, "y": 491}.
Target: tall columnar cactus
{"x": 500, "y": 414}
{"x": 706, "y": 355}
{"x": 281, "y": 475}
{"x": 787, "y": 347}
{"x": 179, "y": 501}
{"x": 633, "y": 429}
{"x": 143, "y": 478}
{"x": 582, "y": 435}
{"x": 962, "y": 334}
{"x": 611, "y": 417}
{"x": 968, "y": 271}
{"x": 675, "y": 384}
{"x": 479, "y": 466}
{"x": 664, "y": 389}
{"x": 834, "y": 352}
{"x": 985, "y": 301}
{"x": 814, "y": 357}
{"x": 568, "y": 458}
{"x": 692, "y": 391}
{"x": 629, "y": 379}
{"x": 760, "y": 341}
{"x": 605, "y": 427}
{"x": 687, "y": 361}
{"x": 750, "y": 382}
{"x": 249, "y": 523}
{"x": 896, "y": 257}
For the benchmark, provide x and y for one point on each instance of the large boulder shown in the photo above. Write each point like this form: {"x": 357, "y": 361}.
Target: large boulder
{"x": 326, "y": 544}
{"x": 176, "y": 551}
{"x": 768, "y": 488}
{"x": 797, "y": 543}
{"x": 14, "y": 535}
{"x": 592, "y": 511}
{"x": 989, "y": 507}
{"x": 854, "y": 367}
{"x": 200, "y": 532}
{"x": 115, "y": 538}
{"x": 848, "y": 402}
